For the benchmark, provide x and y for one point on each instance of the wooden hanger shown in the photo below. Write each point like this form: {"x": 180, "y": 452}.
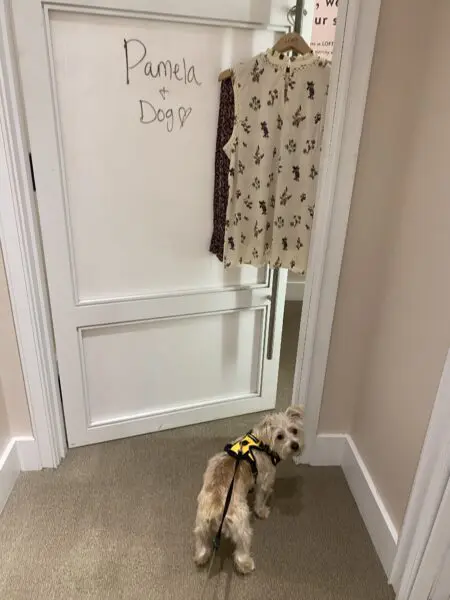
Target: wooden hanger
{"x": 289, "y": 41}
{"x": 226, "y": 74}
{"x": 292, "y": 41}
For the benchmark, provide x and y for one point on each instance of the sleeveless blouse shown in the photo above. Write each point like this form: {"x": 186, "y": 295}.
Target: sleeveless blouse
{"x": 274, "y": 153}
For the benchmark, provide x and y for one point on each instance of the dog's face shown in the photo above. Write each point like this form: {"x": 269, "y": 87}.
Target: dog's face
{"x": 285, "y": 432}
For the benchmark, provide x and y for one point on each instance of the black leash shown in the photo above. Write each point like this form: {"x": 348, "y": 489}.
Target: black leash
{"x": 216, "y": 541}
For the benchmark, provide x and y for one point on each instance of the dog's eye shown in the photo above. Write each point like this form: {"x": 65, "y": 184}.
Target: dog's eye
{"x": 294, "y": 431}
{"x": 280, "y": 436}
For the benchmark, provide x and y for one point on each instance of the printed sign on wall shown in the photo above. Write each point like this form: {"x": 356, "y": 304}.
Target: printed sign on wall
{"x": 324, "y": 27}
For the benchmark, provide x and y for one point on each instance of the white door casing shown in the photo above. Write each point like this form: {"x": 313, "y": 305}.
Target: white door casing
{"x": 426, "y": 499}
{"x": 441, "y": 585}
{"x": 150, "y": 332}
{"x": 433, "y": 577}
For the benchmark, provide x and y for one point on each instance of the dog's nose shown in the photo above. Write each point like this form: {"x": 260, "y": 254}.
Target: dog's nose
{"x": 295, "y": 446}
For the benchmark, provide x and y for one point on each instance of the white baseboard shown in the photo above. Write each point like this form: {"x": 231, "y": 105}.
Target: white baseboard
{"x": 327, "y": 450}
{"x": 340, "y": 450}
{"x": 28, "y": 453}
{"x": 9, "y": 471}
{"x": 379, "y": 524}
{"x": 21, "y": 454}
{"x": 295, "y": 290}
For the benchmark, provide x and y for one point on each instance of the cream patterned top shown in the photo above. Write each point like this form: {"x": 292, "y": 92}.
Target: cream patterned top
{"x": 274, "y": 155}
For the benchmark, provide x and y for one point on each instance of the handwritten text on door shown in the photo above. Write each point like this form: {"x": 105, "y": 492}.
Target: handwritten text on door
{"x": 158, "y": 109}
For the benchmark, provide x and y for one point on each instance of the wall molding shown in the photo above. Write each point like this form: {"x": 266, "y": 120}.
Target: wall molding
{"x": 28, "y": 453}
{"x": 295, "y": 290}
{"x": 379, "y": 524}
{"x": 9, "y": 471}
{"x": 341, "y": 450}
{"x": 20, "y": 454}
{"x": 327, "y": 451}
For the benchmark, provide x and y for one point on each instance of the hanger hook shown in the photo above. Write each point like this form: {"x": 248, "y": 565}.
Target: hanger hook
{"x": 291, "y": 14}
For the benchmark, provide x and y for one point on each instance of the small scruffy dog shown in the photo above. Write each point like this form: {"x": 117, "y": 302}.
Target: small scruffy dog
{"x": 283, "y": 433}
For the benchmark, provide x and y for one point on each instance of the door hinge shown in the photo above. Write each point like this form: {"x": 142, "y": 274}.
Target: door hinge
{"x": 33, "y": 181}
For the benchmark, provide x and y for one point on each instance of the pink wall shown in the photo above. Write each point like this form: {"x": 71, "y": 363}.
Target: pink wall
{"x": 324, "y": 27}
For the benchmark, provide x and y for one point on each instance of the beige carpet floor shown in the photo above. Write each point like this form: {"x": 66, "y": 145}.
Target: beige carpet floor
{"x": 115, "y": 520}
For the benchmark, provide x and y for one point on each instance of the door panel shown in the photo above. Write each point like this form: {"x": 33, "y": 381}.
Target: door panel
{"x": 121, "y": 100}
{"x": 110, "y": 173}
{"x": 207, "y": 359}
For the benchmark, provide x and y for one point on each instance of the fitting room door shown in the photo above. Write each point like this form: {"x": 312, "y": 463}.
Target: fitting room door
{"x": 121, "y": 100}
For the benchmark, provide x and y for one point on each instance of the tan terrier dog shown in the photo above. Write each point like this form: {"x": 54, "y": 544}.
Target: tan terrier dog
{"x": 279, "y": 436}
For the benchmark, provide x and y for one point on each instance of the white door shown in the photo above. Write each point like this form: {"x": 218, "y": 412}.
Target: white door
{"x": 121, "y": 98}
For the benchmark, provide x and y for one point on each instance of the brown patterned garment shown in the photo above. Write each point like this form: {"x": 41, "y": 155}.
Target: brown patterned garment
{"x": 222, "y": 165}
{"x": 274, "y": 154}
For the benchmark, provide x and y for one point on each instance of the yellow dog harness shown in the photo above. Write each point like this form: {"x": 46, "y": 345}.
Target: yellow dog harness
{"x": 243, "y": 449}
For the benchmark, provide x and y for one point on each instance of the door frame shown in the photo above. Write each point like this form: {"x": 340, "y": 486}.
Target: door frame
{"x": 21, "y": 242}
{"x": 25, "y": 273}
{"x": 427, "y": 497}
{"x": 354, "y": 45}
{"x": 436, "y": 557}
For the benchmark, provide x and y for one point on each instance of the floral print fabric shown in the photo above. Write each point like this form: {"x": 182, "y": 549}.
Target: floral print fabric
{"x": 274, "y": 154}
{"x": 222, "y": 165}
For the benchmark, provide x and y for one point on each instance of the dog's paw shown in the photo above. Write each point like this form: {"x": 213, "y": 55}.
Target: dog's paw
{"x": 202, "y": 556}
{"x": 244, "y": 563}
{"x": 262, "y": 512}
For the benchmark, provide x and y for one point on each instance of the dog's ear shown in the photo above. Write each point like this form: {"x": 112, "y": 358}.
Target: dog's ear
{"x": 265, "y": 425}
{"x": 266, "y": 422}
{"x": 296, "y": 413}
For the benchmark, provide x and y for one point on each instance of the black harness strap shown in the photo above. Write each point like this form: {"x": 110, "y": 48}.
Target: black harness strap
{"x": 274, "y": 457}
